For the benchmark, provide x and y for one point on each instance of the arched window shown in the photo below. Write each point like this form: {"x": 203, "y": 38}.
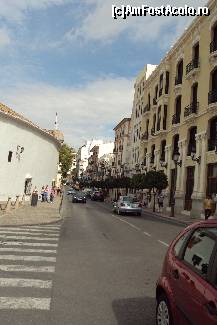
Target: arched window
{"x": 191, "y": 140}
{"x": 179, "y": 73}
{"x": 178, "y": 107}
{"x": 213, "y": 44}
{"x": 175, "y": 144}
{"x": 212, "y": 141}
{"x": 212, "y": 98}
{"x": 163, "y": 152}
{"x": 152, "y": 154}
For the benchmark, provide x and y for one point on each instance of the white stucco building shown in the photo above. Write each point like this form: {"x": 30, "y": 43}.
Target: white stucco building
{"x": 83, "y": 154}
{"x": 29, "y": 155}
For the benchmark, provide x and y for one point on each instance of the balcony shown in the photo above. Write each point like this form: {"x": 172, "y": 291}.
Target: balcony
{"x": 212, "y": 97}
{"x": 152, "y": 160}
{"x": 160, "y": 92}
{"x": 212, "y": 144}
{"x": 153, "y": 131}
{"x": 178, "y": 80}
{"x": 147, "y": 109}
{"x": 176, "y": 119}
{"x": 191, "y": 109}
{"x": 192, "y": 68}
{"x": 144, "y": 136}
{"x": 213, "y": 46}
{"x": 154, "y": 102}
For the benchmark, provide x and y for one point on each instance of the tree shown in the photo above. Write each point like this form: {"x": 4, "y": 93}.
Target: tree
{"x": 155, "y": 181}
{"x": 65, "y": 159}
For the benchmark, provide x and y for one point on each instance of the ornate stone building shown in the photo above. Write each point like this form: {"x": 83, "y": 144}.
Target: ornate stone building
{"x": 178, "y": 116}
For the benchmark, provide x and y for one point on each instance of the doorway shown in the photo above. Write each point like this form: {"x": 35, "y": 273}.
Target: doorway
{"x": 189, "y": 188}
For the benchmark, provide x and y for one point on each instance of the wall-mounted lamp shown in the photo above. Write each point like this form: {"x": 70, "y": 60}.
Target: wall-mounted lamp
{"x": 176, "y": 156}
{"x": 197, "y": 159}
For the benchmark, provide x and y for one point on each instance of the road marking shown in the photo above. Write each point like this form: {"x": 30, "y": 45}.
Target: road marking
{"x": 17, "y": 243}
{"x": 28, "y": 233}
{"x": 25, "y": 283}
{"x": 18, "y": 229}
{"x": 26, "y": 268}
{"x": 28, "y": 258}
{"x": 130, "y": 224}
{"x": 163, "y": 243}
{"x": 27, "y": 250}
{"x": 146, "y": 233}
{"x": 24, "y": 303}
{"x": 29, "y": 238}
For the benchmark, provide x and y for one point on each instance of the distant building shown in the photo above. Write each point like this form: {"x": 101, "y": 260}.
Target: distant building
{"x": 29, "y": 155}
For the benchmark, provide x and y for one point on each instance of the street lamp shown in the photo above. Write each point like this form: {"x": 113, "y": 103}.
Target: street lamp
{"x": 176, "y": 156}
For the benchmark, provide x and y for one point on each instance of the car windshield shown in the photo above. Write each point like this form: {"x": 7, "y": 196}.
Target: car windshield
{"x": 80, "y": 194}
{"x": 129, "y": 199}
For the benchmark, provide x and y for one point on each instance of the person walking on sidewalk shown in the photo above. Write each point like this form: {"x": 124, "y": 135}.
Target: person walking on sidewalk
{"x": 208, "y": 206}
{"x": 160, "y": 200}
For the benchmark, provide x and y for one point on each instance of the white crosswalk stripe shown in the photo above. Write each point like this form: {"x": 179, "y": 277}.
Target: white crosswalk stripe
{"x": 36, "y": 247}
{"x": 28, "y": 238}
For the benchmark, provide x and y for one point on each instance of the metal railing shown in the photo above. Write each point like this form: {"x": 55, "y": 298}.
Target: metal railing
{"x": 213, "y": 46}
{"x": 212, "y": 96}
{"x": 194, "y": 64}
{"x": 191, "y": 109}
{"x": 176, "y": 119}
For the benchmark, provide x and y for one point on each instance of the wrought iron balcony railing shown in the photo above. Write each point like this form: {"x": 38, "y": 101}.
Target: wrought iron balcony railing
{"x": 194, "y": 64}
{"x": 145, "y": 136}
{"x": 213, "y": 46}
{"x": 176, "y": 119}
{"x": 212, "y": 96}
{"x": 178, "y": 80}
{"x": 191, "y": 109}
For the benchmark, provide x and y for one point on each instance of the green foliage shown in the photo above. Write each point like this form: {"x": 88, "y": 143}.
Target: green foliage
{"x": 155, "y": 180}
{"x": 65, "y": 159}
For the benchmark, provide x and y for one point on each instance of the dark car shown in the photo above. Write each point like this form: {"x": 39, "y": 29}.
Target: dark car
{"x": 97, "y": 196}
{"x": 186, "y": 291}
{"x": 79, "y": 197}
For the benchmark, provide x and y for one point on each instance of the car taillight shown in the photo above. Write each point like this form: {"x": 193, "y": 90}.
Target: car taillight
{"x": 122, "y": 204}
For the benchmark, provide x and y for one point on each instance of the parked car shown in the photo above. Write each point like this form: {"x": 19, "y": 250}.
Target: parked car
{"x": 127, "y": 204}
{"x": 186, "y": 291}
{"x": 97, "y": 196}
{"x": 79, "y": 197}
{"x": 88, "y": 192}
{"x": 71, "y": 191}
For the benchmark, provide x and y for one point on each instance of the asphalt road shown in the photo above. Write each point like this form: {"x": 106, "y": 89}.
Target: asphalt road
{"x": 103, "y": 272}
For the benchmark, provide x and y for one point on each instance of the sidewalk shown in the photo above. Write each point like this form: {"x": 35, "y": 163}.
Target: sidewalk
{"x": 178, "y": 219}
{"x": 43, "y": 213}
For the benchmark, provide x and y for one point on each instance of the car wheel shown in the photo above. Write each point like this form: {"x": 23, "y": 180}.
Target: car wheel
{"x": 163, "y": 314}
{"x": 139, "y": 214}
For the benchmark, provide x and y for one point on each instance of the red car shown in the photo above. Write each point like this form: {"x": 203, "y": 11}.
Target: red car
{"x": 186, "y": 291}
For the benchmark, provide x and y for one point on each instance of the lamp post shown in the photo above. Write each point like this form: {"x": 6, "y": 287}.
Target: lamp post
{"x": 177, "y": 163}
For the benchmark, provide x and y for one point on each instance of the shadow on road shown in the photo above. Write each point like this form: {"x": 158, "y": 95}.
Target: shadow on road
{"x": 135, "y": 311}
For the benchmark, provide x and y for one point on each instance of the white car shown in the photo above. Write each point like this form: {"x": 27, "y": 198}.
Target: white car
{"x": 127, "y": 204}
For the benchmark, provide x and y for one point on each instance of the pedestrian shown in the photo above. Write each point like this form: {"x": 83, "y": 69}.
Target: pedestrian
{"x": 46, "y": 193}
{"x": 52, "y": 195}
{"x": 160, "y": 199}
{"x": 145, "y": 202}
{"x": 208, "y": 206}
{"x": 42, "y": 194}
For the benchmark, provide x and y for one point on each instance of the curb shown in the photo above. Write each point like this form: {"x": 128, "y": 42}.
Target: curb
{"x": 33, "y": 224}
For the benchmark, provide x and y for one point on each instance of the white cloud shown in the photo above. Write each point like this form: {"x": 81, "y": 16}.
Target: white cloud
{"x": 5, "y": 39}
{"x": 84, "y": 113}
{"x": 15, "y": 10}
{"x": 99, "y": 25}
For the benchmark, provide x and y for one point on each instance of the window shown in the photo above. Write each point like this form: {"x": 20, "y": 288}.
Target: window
{"x": 167, "y": 82}
{"x": 199, "y": 250}
{"x": 10, "y": 156}
{"x": 179, "y": 245}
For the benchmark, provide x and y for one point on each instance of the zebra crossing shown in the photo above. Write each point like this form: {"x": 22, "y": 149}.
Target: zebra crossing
{"x": 27, "y": 265}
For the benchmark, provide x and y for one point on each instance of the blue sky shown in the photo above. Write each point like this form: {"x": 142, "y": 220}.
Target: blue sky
{"x": 70, "y": 56}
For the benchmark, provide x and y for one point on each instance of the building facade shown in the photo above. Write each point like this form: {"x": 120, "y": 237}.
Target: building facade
{"x": 122, "y": 149}
{"x": 29, "y": 155}
{"x": 177, "y": 123}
